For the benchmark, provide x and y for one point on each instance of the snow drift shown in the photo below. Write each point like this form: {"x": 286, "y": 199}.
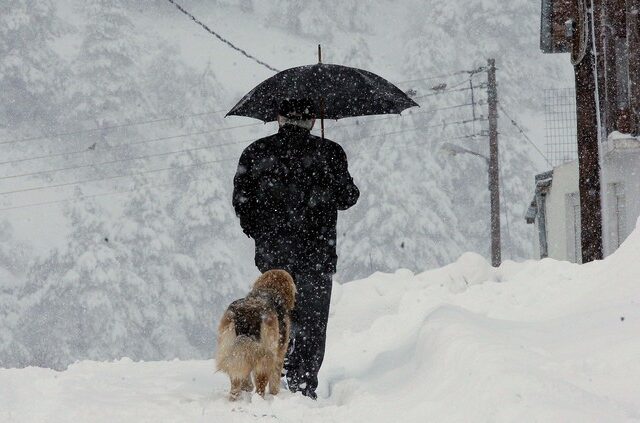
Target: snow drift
{"x": 533, "y": 341}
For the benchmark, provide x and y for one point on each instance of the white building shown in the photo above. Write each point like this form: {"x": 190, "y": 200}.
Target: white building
{"x": 555, "y": 209}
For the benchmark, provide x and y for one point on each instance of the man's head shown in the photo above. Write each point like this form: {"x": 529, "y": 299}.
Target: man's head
{"x": 297, "y": 112}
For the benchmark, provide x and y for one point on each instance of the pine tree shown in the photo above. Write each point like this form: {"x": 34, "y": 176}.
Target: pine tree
{"x": 106, "y": 90}
{"x": 12, "y": 352}
{"x": 14, "y": 261}
{"x": 30, "y": 69}
{"x": 117, "y": 289}
{"x": 318, "y": 19}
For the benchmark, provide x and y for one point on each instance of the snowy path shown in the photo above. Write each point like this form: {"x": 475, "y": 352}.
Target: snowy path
{"x": 537, "y": 341}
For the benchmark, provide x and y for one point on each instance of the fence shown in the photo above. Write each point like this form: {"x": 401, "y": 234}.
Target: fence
{"x": 560, "y": 125}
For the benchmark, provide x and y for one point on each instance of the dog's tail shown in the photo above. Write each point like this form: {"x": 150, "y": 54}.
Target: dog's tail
{"x": 237, "y": 354}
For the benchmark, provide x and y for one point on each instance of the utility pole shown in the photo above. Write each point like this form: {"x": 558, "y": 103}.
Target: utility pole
{"x": 494, "y": 171}
{"x": 587, "y": 134}
{"x": 633, "y": 38}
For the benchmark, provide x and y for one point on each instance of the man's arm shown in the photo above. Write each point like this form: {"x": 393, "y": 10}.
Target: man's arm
{"x": 244, "y": 194}
{"x": 345, "y": 191}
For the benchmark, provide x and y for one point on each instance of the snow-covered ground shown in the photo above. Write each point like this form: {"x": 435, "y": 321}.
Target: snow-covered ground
{"x": 542, "y": 341}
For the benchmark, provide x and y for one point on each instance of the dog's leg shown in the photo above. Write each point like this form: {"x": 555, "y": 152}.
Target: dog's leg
{"x": 274, "y": 380}
{"x": 263, "y": 374}
{"x": 262, "y": 379}
{"x": 247, "y": 384}
{"x": 239, "y": 377}
{"x": 236, "y": 388}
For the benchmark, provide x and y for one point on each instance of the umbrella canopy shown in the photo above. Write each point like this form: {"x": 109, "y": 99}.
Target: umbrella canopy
{"x": 340, "y": 91}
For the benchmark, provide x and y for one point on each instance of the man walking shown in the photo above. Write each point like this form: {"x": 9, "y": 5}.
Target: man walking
{"x": 287, "y": 192}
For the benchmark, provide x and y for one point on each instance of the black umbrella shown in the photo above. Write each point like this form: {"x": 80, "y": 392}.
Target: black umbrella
{"x": 340, "y": 91}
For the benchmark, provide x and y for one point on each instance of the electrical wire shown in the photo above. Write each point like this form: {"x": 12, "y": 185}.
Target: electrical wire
{"x": 440, "y": 92}
{"x": 65, "y": 184}
{"x": 166, "y": 119}
{"x": 463, "y": 72}
{"x": 217, "y": 129}
{"x": 90, "y": 165}
{"x": 144, "y": 186}
{"x": 126, "y": 175}
{"x": 54, "y": 136}
{"x": 84, "y": 197}
{"x": 443, "y": 125}
{"x": 221, "y": 38}
{"x": 430, "y": 78}
{"x": 421, "y": 112}
{"x": 125, "y": 144}
{"x": 526, "y": 137}
{"x": 103, "y": 128}
{"x": 421, "y": 143}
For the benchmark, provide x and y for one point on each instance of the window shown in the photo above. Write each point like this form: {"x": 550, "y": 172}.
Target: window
{"x": 573, "y": 229}
{"x": 617, "y": 214}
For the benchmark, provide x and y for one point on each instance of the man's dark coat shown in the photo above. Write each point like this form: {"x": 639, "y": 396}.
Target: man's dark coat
{"x": 287, "y": 193}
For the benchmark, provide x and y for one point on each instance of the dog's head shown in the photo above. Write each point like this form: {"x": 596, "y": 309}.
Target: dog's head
{"x": 280, "y": 282}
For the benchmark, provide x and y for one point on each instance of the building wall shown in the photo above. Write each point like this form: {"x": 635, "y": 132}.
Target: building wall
{"x": 565, "y": 183}
{"x": 621, "y": 189}
{"x": 620, "y": 200}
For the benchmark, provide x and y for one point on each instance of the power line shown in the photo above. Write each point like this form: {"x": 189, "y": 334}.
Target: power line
{"x": 165, "y": 119}
{"x": 84, "y": 197}
{"x": 421, "y": 143}
{"x": 445, "y": 124}
{"x": 167, "y": 153}
{"x": 217, "y": 129}
{"x": 89, "y": 165}
{"x": 457, "y": 106}
{"x": 441, "y": 125}
{"x": 122, "y": 125}
{"x": 65, "y": 184}
{"x": 125, "y": 144}
{"x": 514, "y": 123}
{"x": 440, "y": 92}
{"x": 430, "y": 78}
{"x": 462, "y": 72}
{"x": 157, "y": 185}
{"x": 221, "y": 38}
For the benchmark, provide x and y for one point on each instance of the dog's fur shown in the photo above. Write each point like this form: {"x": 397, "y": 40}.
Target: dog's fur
{"x": 253, "y": 335}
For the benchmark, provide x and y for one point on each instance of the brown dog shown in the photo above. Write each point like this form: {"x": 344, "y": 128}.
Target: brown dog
{"x": 253, "y": 335}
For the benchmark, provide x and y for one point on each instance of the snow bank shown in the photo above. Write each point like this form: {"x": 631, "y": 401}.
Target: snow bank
{"x": 535, "y": 341}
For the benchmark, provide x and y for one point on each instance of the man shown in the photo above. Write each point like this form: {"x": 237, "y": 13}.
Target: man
{"x": 287, "y": 193}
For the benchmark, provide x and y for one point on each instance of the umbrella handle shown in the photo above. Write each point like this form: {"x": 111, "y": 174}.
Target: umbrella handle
{"x": 322, "y": 117}
{"x": 321, "y": 99}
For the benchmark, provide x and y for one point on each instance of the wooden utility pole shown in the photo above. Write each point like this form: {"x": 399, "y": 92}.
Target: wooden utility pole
{"x": 494, "y": 170}
{"x": 633, "y": 40}
{"x": 588, "y": 154}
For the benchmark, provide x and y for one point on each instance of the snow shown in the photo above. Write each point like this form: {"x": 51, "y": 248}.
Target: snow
{"x": 544, "y": 341}
{"x": 103, "y": 63}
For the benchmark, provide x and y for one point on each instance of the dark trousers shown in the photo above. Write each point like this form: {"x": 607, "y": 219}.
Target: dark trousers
{"x": 308, "y": 331}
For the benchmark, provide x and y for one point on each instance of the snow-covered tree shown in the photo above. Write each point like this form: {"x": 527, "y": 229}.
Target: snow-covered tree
{"x": 30, "y": 69}
{"x": 319, "y": 19}
{"x": 105, "y": 82}
{"x": 12, "y": 352}
{"x": 117, "y": 289}
{"x": 14, "y": 261}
